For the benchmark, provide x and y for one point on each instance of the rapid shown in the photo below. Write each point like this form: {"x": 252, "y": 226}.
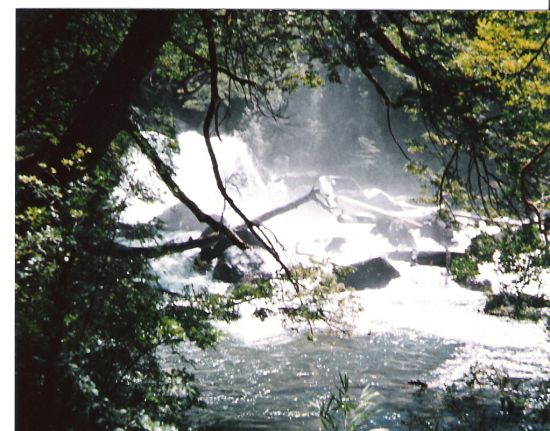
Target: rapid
{"x": 420, "y": 326}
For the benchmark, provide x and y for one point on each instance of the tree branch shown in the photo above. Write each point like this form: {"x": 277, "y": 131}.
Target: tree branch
{"x": 214, "y": 102}
{"x": 151, "y": 252}
{"x": 365, "y": 22}
{"x": 102, "y": 115}
{"x": 206, "y": 62}
{"x": 529, "y": 204}
{"x": 166, "y": 175}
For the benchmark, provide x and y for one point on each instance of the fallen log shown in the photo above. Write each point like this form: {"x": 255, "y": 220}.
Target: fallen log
{"x": 150, "y": 252}
{"x": 344, "y": 200}
{"x": 211, "y": 243}
{"x": 211, "y": 252}
{"x": 442, "y": 259}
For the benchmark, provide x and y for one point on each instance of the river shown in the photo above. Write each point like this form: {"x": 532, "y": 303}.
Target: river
{"x": 420, "y": 327}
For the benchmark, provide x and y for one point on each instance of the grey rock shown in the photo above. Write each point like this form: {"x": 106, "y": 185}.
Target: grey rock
{"x": 437, "y": 229}
{"x": 372, "y": 273}
{"x": 335, "y": 244}
{"x": 430, "y": 258}
{"x": 396, "y": 231}
{"x": 180, "y": 218}
{"x": 236, "y": 265}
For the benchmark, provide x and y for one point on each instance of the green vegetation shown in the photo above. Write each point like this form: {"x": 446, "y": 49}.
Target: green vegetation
{"x": 483, "y": 399}
{"x": 91, "y": 316}
{"x": 463, "y": 268}
{"x": 341, "y": 413}
{"x": 520, "y": 253}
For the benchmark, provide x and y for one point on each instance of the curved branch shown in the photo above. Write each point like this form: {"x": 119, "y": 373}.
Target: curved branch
{"x": 214, "y": 102}
{"x": 529, "y": 204}
{"x": 202, "y": 60}
{"x": 365, "y": 21}
{"x": 166, "y": 175}
{"x": 206, "y": 239}
{"x": 151, "y": 252}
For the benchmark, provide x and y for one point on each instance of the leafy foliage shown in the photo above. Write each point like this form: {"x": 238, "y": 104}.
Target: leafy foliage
{"x": 61, "y": 45}
{"x": 518, "y": 253}
{"x": 88, "y": 339}
{"x": 463, "y": 268}
{"x": 341, "y": 413}
{"x": 90, "y": 323}
{"x": 483, "y": 399}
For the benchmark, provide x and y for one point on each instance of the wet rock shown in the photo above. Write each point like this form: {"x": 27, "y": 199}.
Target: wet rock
{"x": 237, "y": 265}
{"x": 437, "y": 230}
{"x": 430, "y": 258}
{"x": 518, "y": 305}
{"x": 437, "y": 258}
{"x": 179, "y": 217}
{"x": 419, "y": 383}
{"x": 335, "y": 244}
{"x": 396, "y": 231}
{"x": 372, "y": 273}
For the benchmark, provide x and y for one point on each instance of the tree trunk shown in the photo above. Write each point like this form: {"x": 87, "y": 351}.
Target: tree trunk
{"x": 104, "y": 113}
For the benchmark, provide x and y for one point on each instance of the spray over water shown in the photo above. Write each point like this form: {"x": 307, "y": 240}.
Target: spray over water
{"x": 420, "y": 325}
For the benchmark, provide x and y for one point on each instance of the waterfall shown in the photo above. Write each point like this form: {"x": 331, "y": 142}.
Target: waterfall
{"x": 419, "y": 325}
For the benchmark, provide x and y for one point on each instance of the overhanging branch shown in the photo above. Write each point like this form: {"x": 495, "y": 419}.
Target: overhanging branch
{"x": 101, "y": 116}
{"x": 365, "y": 22}
{"x": 165, "y": 174}
{"x": 206, "y": 62}
{"x": 151, "y": 252}
{"x": 529, "y": 204}
{"x": 252, "y": 226}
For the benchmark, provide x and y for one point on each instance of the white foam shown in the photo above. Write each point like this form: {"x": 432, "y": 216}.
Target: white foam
{"x": 423, "y": 300}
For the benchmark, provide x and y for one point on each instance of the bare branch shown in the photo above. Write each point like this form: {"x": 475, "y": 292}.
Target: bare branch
{"x": 166, "y": 175}
{"x": 445, "y": 175}
{"x": 529, "y": 204}
{"x": 382, "y": 93}
{"x": 151, "y": 252}
{"x": 206, "y": 62}
{"x": 252, "y": 226}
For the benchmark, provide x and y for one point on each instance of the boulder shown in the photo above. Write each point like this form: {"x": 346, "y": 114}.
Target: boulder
{"x": 372, "y": 273}
{"x": 236, "y": 265}
{"x": 180, "y": 218}
{"x": 396, "y": 231}
{"x": 437, "y": 230}
{"x": 335, "y": 244}
{"x": 517, "y": 305}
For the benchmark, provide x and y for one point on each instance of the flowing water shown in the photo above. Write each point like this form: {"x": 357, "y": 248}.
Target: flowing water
{"x": 421, "y": 326}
